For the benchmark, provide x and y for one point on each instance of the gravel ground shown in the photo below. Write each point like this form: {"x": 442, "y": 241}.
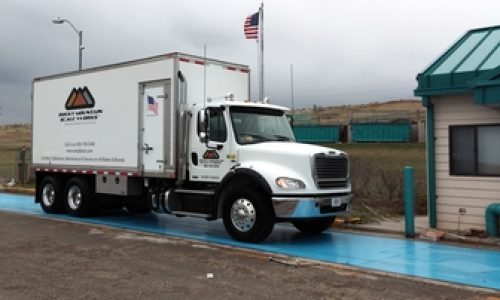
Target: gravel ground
{"x": 48, "y": 259}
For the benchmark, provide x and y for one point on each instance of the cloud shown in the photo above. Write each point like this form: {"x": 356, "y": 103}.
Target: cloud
{"x": 342, "y": 51}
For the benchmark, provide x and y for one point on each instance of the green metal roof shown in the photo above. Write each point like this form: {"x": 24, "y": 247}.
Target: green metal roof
{"x": 472, "y": 64}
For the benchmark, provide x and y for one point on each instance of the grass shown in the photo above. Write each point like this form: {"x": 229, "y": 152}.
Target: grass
{"x": 376, "y": 172}
{"x": 377, "y": 176}
{"x": 8, "y": 156}
{"x": 7, "y": 162}
{"x": 394, "y": 156}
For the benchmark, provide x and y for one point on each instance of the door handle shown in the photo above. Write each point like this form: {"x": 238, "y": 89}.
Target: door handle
{"x": 146, "y": 148}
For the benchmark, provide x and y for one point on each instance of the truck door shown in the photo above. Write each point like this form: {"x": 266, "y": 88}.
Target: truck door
{"x": 209, "y": 162}
{"x": 155, "y": 97}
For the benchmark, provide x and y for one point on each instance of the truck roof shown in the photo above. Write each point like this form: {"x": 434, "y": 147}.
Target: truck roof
{"x": 246, "y": 104}
{"x": 170, "y": 55}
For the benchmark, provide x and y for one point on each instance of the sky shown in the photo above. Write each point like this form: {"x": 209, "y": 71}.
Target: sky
{"x": 342, "y": 51}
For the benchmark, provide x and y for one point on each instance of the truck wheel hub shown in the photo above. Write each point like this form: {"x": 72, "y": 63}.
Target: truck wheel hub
{"x": 243, "y": 215}
{"x": 74, "y": 197}
{"x": 48, "y": 195}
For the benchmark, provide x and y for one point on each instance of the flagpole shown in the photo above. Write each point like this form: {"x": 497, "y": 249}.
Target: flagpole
{"x": 291, "y": 86}
{"x": 204, "y": 76}
{"x": 261, "y": 51}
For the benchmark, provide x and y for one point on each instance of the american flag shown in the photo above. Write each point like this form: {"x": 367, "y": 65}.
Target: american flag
{"x": 251, "y": 26}
{"x": 152, "y": 105}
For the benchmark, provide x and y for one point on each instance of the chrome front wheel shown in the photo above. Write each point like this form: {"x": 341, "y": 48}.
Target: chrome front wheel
{"x": 243, "y": 215}
{"x": 247, "y": 214}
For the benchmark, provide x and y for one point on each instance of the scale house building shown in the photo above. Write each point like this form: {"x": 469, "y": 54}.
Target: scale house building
{"x": 461, "y": 91}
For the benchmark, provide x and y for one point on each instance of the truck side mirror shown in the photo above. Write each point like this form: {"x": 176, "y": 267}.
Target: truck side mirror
{"x": 203, "y": 117}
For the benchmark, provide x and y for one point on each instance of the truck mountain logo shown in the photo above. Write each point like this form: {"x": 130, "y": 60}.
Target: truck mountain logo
{"x": 210, "y": 154}
{"x": 80, "y": 98}
{"x": 211, "y": 159}
{"x": 80, "y": 108}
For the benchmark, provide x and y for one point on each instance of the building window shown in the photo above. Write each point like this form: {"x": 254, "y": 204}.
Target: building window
{"x": 475, "y": 150}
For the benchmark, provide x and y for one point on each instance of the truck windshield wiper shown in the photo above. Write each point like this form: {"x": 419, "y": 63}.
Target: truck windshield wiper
{"x": 281, "y": 137}
{"x": 251, "y": 138}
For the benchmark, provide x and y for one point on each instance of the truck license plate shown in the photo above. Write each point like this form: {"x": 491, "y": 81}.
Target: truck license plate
{"x": 336, "y": 202}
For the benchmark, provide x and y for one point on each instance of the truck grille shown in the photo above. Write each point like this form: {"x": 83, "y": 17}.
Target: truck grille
{"x": 330, "y": 171}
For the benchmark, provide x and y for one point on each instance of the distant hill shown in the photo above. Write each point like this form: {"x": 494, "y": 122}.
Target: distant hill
{"x": 382, "y": 111}
{"x": 15, "y": 136}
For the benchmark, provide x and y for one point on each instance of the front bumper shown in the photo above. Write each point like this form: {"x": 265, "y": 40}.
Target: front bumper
{"x": 314, "y": 206}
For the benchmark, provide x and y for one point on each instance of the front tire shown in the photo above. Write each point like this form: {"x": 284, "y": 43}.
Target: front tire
{"x": 80, "y": 201}
{"x": 314, "y": 226}
{"x": 50, "y": 195}
{"x": 247, "y": 216}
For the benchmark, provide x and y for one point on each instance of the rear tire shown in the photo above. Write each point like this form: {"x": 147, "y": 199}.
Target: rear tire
{"x": 50, "y": 195}
{"x": 314, "y": 226}
{"x": 247, "y": 216}
{"x": 80, "y": 199}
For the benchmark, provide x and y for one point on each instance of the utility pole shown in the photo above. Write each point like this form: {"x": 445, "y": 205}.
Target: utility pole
{"x": 59, "y": 20}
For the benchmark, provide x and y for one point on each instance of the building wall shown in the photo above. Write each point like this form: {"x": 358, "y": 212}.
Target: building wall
{"x": 474, "y": 193}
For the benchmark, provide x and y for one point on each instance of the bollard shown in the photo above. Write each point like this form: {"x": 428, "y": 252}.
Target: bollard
{"x": 409, "y": 202}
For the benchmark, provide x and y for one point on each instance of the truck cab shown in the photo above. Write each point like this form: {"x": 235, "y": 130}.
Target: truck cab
{"x": 260, "y": 174}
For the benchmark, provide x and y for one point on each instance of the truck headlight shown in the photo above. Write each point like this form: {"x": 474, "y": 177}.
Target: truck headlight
{"x": 289, "y": 183}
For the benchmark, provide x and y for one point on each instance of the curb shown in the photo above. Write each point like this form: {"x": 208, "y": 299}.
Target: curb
{"x": 18, "y": 190}
{"x": 374, "y": 230}
{"x": 449, "y": 237}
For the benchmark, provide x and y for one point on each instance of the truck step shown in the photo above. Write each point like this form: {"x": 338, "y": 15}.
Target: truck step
{"x": 191, "y": 214}
{"x": 195, "y": 192}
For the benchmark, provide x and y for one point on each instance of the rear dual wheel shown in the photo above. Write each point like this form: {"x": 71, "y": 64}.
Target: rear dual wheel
{"x": 50, "y": 195}
{"x": 79, "y": 196}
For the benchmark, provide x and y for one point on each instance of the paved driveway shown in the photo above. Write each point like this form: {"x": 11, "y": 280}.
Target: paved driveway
{"x": 462, "y": 265}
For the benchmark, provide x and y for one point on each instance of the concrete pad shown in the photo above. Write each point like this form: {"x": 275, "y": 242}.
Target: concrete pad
{"x": 461, "y": 265}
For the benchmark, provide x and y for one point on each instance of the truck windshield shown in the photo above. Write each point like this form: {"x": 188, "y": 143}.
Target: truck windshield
{"x": 256, "y": 125}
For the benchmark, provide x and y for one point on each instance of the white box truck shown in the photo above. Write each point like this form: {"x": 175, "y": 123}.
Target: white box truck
{"x": 177, "y": 134}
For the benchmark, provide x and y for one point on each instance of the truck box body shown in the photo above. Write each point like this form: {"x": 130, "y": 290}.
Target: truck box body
{"x": 92, "y": 120}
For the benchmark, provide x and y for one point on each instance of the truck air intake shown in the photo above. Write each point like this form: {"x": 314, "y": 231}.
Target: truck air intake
{"x": 330, "y": 171}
